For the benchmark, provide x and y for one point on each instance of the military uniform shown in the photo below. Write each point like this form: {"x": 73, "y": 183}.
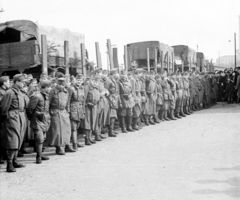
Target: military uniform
{"x": 90, "y": 123}
{"x": 13, "y": 107}
{"x": 60, "y": 129}
{"x": 3, "y": 90}
{"x": 127, "y": 99}
{"x": 179, "y": 102}
{"x": 38, "y": 114}
{"x": 76, "y": 110}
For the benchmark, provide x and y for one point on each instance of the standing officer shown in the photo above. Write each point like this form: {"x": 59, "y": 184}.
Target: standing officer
{"x": 125, "y": 92}
{"x": 13, "y": 109}
{"x": 76, "y": 107}
{"x": 186, "y": 94}
{"x": 173, "y": 85}
{"x": 151, "y": 90}
{"x": 4, "y": 86}
{"x": 179, "y": 102}
{"x": 159, "y": 100}
{"x": 38, "y": 114}
{"x": 92, "y": 97}
{"x": 60, "y": 129}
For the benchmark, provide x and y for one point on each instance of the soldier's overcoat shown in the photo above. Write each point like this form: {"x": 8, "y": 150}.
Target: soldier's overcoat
{"x": 13, "y": 106}
{"x": 60, "y": 129}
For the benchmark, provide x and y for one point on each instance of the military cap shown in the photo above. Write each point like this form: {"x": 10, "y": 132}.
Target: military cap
{"x": 30, "y": 76}
{"x": 32, "y": 80}
{"x": 18, "y": 77}
{"x": 95, "y": 78}
{"x": 67, "y": 76}
{"x": 123, "y": 72}
{"x": 53, "y": 80}
{"x": 72, "y": 78}
{"x": 158, "y": 76}
{"x": 25, "y": 76}
{"x": 130, "y": 73}
{"x": 79, "y": 76}
{"x": 60, "y": 76}
{"x": 45, "y": 83}
{"x": 152, "y": 72}
{"x": 3, "y": 79}
{"x": 113, "y": 71}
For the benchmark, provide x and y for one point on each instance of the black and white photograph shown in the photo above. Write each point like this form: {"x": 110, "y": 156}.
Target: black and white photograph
{"x": 119, "y": 100}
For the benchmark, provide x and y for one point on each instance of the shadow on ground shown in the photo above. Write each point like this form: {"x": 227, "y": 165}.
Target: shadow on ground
{"x": 233, "y": 191}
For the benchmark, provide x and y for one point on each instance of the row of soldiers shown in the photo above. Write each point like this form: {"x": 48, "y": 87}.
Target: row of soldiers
{"x": 229, "y": 85}
{"x": 56, "y": 110}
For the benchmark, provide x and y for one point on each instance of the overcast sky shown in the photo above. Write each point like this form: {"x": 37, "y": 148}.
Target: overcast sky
{"x": 210, "y": 24}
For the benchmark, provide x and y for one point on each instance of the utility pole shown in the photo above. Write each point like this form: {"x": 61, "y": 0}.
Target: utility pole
{"x": 44, "y": 53}
{"x": 66, "y": 56}
{"x": 148, "y": 60}
{"x": 235, "y": 52}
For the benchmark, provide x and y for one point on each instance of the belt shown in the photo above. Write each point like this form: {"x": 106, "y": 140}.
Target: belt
{"x": 16, "y": 110}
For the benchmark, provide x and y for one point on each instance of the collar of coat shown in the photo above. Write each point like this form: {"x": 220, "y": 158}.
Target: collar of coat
{"x": 59, "y": 89}
{"x": 5, "y": 89}
{"x": 16, "y": 89}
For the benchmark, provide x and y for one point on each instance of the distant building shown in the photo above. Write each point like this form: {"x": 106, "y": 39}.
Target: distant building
{"x": 227, "y": 61}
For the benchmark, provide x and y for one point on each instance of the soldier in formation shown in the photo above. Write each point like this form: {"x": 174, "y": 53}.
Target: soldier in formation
{"x": 62, "y": 109}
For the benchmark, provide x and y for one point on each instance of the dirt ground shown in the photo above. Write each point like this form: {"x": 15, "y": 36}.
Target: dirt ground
{"x": 194, "y": 158}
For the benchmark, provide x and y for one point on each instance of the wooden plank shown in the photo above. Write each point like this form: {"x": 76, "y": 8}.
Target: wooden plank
{"x": 126, "y": 64}
{"x": 18, "y": 54}
{"x": 110, "y": 53}
{"x": 115, "y": 58}
{"x": 148, "y": 60}
{"x": 98, "y": 55}
{"x": 66, "y": 56}
{"x": 83, "y": 63}
{"x": 155, "y": 59}
{"x": 44, "y": 53}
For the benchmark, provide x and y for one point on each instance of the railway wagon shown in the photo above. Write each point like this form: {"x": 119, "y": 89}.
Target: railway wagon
{"x": 185, "y": 58}
{"x": 161, "y": 56}
{"x": 20, "y": 47}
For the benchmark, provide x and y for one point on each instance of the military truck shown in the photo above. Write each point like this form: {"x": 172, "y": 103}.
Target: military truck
{"x": 20, "y": 48}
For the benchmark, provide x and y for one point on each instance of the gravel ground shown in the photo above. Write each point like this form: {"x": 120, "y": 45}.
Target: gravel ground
{"x": 192, "y": 158}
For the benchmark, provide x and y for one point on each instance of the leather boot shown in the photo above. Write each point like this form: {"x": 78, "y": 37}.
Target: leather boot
{"x": 74, "y": 140}
{"x": 177, "y": 115}
{"x": 161, "y": 115}
{"x": 135, "y": 126}
{"x": 97, "y": 136}
{"x": 193, "y": 108}
{"x": 23, "y": 149}
{"x": 39, "y": 156}
{"x": 172, "y": 115}
{"x": 123, "y": 124}
{"x": 17, "y": 164}
{"x": 69, "y": 149}
{"x": 90, "y": 137}
{"x": 102, "y": 136}
{"x": 59, "y": 151}
{"x": 165, "y": 116}
{"x": 155, "y": 118}
{"x": 1, "y": 156}
{"x": 139, "y": 123}
{"x": 110, "y": 130}
{"x": 151, "y": 120}
{"x": 75, "y": 146}
{"x": 87, "y": 135}
{"x": 129, "y": 124}
{"x": 146, "y": 120}
{"x": 190, "y": 110}
{"x": 182, "y": 113}
{"x": 10, "y": 154}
